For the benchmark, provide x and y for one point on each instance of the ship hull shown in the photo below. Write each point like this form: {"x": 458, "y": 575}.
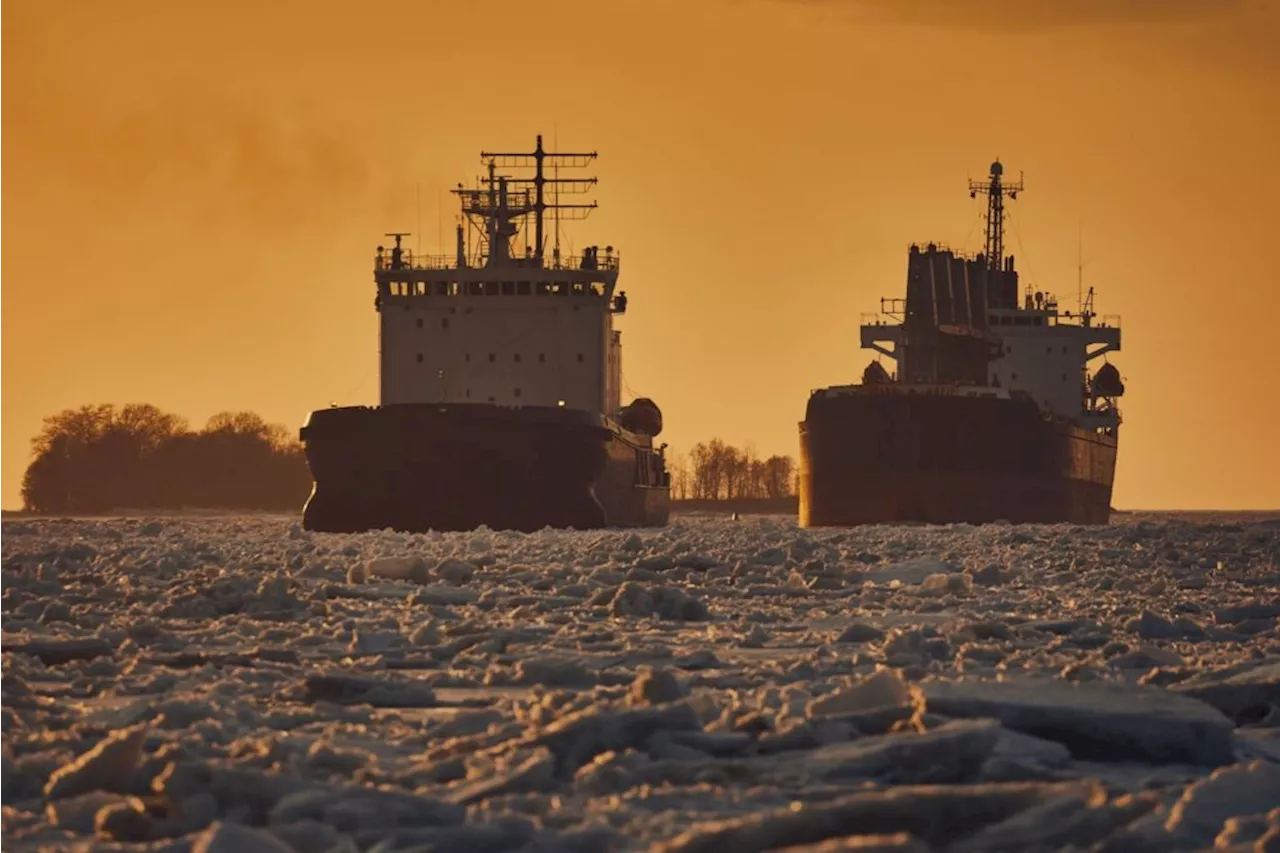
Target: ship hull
{"x": 874, "y": 458}
{"x": 420, "y": 467}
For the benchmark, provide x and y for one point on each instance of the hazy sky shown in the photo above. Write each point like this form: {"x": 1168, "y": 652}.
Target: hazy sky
{"x": 194, "y": 190}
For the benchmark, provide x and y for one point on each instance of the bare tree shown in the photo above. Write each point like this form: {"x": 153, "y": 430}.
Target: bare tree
{"x": 719, "y": 471}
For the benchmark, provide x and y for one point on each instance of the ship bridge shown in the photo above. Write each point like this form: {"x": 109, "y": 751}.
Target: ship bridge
{"x": 399, "y": 274}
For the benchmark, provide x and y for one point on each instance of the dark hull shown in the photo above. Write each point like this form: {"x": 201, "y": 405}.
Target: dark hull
{"x": 459, "y": 466}
{"x": 868, "y": 458}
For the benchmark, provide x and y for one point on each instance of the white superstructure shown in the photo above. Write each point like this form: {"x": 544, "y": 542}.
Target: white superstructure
{"x": 488, "y": 325}
{"x": 1048, "y": 355}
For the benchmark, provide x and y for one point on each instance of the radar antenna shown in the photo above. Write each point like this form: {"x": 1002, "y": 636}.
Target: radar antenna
{"x": 994, "y": 188}
{"x": 536, "y": 158}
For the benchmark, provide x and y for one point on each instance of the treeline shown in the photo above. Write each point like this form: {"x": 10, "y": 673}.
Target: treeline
{"x": 99, "y": 458}
{"x": 714, "y": 470}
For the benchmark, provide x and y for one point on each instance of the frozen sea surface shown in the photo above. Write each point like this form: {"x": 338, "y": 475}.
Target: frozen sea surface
{"x": 237, "y": 684}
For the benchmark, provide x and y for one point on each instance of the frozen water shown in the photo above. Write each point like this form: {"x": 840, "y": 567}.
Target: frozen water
{"x": 239, "y": 683}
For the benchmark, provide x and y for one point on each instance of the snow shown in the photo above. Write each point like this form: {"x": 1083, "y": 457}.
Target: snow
{"x": 720, "y": 684}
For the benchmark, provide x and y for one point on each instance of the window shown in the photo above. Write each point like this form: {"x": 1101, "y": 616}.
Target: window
{"x": 542, "y": 356}
{"x": 419, "y": 322}
{"x": 580, "y": 358}
{"x": 517, "y": 357}
{"x": 468, "y": 357}
{"x": 419, "y": 358}
{"x": 517, "y": 392}
{"x": 468, "y": 393}
{"x": 444, "y": 323}
{"x": 493, "y": 357}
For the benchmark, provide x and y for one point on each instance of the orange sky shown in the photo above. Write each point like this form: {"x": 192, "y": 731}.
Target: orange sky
{"x": 193, "y": 193}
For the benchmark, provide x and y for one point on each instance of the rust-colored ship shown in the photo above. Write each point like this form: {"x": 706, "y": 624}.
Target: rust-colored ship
{"x": 993, "y": 411}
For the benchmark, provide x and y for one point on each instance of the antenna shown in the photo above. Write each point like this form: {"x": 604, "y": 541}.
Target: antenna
{"x": 555, "y": 140}
{"x": 995, "y": 189}
{"x": 538, "y": 205}
{"x": 1079, "y": 267}
{"x": 418, "y": 244}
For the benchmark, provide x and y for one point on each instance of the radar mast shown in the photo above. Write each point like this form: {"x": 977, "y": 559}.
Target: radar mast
{"x": 995, "y": 188}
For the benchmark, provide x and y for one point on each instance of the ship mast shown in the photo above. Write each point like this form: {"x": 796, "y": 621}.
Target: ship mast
{"x": 994, "y": 188}
{"x": 536, "y": 158}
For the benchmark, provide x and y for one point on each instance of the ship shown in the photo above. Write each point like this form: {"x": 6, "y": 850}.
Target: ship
{"x": 500, "y": 378}
{"x": 997, "y": 405}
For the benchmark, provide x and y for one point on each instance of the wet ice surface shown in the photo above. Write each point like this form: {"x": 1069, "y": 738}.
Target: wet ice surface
{"x": 239, "y": 684}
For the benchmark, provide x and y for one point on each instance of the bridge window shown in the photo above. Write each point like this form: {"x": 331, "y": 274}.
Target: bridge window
{"x": 419, "y": 358}
{"x": 468, "y": 357}
{"x": 580, "y": 358}
{"x": 444, "y": 323}
{"x": 516, "y": 357}
{"x": 508, "y": 288}
{"x": 419, "y": 322}
{"x": 523, "y": 288}
{"x": 517, "y": 392}
{"x": 492, "y": 357}
{"x": 542, "y": 357}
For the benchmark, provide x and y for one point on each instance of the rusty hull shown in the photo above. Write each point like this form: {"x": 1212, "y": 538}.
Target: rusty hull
{"x": 420, "y": 467}
{"x": 900, "y": 457}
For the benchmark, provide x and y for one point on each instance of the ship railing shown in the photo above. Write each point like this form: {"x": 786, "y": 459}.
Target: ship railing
{"x": 409, "y": 261}
{"x": 1108, "y": 321}
{"x": 597, "y": 262}
{"x": 939, "y": 246}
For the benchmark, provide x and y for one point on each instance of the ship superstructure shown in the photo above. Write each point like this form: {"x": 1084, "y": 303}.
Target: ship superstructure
{"x": 500, "y": 377}
{"x": 996, "y": 408}
{"x": 496, "y": 321}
